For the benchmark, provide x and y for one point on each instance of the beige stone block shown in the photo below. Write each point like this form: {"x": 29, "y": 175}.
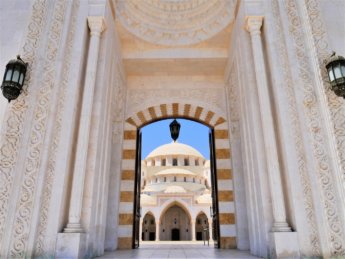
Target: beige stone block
{"x": 225, "y": 196}
{"x": 228, "y": 243}
{"x": 128, "y": 154}
{"x": 125, "y": 219}
{"x": 126, "y": 196}
{"x": 124, "y": 243}
{"x": 223, "y": 174}
{"x": 221, "y": 134}
{"x": 226, "y": 218}
{"x": 222, "y": 153}
{"x": 128, "y": 175}
{"x": 130, "y": 134}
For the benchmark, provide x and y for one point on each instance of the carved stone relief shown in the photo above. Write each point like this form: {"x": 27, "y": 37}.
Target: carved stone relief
{"x": 335, "y": 234}
{"x": 280, "y": 48}
{"x": 140, "y": 99}
{"x": 25, "y": 206}
{"x": 12, "y": 131}
{"x": 175, "y": 22}
{"x": 42, "y": 242}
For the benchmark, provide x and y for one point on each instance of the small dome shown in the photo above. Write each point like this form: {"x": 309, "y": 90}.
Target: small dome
{"x": 175, "y": 171}
{"x": 175, "y": 149}
{"x": 175, "y": 189}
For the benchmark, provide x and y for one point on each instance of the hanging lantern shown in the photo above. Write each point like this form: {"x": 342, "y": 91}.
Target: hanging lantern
{"x": 336, "y": 73}
{"x": 175, "y": 129}
{"x": 14, "y": 76}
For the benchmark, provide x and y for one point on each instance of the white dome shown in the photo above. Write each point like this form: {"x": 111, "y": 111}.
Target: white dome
{"x": 175, "y": 171}
{"x": 175, "y": 149}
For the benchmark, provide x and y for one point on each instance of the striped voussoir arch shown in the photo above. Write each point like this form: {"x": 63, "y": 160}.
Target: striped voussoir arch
{"x": 223, "y": 163}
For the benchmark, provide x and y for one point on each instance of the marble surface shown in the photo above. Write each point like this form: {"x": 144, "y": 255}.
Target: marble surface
{"x": 177, "y": 250}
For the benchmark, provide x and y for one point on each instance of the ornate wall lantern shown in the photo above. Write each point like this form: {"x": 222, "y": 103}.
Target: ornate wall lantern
{"x": 14, "y": 76}
{"x": 175, "y": 129}
{"x": 336, "y": 73}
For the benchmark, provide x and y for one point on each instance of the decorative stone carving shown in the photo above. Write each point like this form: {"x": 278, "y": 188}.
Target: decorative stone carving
{"x": 12, "y": 131}
{"x": 140, "y": 99}
{"x": 280, "y": 48}
{"x": 175, "y": 22}
{"x": 42, "y": 242}
{"x": 336, "y": 104}
{"x": 96, "y": 25}
{"x": 335, "y": 233}
{"x": 24, "y": 207}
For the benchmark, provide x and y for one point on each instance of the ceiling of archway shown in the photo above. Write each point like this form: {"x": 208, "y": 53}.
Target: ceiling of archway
{"x": 175, "y": 22}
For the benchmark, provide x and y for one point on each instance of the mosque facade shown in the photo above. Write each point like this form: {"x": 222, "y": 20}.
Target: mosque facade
{"x": 176, "y": 197}
{"x": 98, "y": 71}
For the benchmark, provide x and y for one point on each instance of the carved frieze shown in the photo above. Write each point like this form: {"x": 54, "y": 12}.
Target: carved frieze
{"x": 13, "y": 126}
{"x": 312, "y": 112}
{"x": 175, "y": 22}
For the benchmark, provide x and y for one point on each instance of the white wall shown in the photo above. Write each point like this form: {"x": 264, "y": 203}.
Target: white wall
{"x": 13, "y": 21}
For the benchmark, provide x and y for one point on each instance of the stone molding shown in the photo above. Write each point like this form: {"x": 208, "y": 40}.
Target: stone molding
{"x": 254, "y": 24}
{"x": 175, "y": 22}
{"x": 28, "y": 187}
{"x": 312, "y": 113}
{"x": 96, "y": 25}
{"x": 43, "y": 244}
{"x": 13, "y": 128}
{"x": 288, "y": 88}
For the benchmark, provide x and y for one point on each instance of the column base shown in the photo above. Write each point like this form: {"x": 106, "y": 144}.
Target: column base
{"x": 284, "y": 245}
{"x": 281, "y": 227}
{"x": 73, "y": 228}
{"x": 70, "y": 245}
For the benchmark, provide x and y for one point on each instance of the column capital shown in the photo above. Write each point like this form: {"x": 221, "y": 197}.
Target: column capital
{"x": 96, "y": 25}
{"x": 254, "y": 24}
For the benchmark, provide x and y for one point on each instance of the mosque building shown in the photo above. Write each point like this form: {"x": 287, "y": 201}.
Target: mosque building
{"x": 175, "y": 194}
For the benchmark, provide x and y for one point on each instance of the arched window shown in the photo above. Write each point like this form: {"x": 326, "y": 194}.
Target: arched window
{"x": 165, "y": 179}
{"x": 174, "y": 161}
{"x": 193, "y": 180}
{"x": 164, "y": 161}
{"x": 185, "y": 179}
{"x": 186, "y": 161}
{"x": 196, "y": 162}
{"x": 174, "y": 178}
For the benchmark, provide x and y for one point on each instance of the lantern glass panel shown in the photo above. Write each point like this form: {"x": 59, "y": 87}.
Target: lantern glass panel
{"x": 21, "y": 79}
{"x": 337, "y": 72}
{"x": 15, "y": 77}
{"x": 343, "y": 69}
{"x": 8, "y": 75}
{"x": 331, "y": 75}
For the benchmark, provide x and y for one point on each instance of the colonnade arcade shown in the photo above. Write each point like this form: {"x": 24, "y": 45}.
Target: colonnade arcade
{"x": 175, "y": 224}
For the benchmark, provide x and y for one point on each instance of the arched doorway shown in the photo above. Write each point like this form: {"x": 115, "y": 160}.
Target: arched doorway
{"x": 202, "y": 229}
{"x": 175, "y": 224}
{"x": 223, "y": 217}
{"x": 148, "y": 228}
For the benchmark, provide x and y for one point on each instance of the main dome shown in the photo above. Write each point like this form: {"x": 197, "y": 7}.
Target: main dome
{"x": 175, "y": 22}
{"x": 175, "y": 148}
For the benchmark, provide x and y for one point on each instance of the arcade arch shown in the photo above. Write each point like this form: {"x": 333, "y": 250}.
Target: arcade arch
{"x": 222, "y": 154}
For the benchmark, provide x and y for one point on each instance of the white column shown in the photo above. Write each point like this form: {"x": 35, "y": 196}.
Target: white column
{"x": 193, "y": 230}
{"x": 253, "y": 26}
{"x": 210, "y": 230}
{"x": 157, "y": 230}
{"x": 141, "y": 229}
{"x": 97, "y": 26}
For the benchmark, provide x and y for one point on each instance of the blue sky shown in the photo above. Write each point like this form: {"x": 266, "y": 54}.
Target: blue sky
{"x": 191, "y": 133}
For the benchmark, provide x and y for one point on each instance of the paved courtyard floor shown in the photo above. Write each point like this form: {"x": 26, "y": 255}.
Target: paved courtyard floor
{"x": 177, "y": 250}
